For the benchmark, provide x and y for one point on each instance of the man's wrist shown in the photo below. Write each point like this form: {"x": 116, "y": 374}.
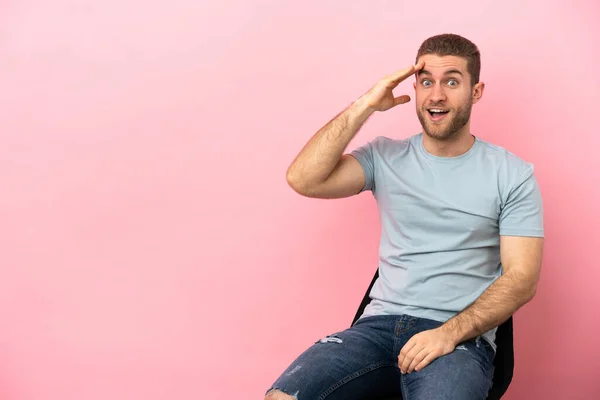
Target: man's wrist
{"x": 362, "y": 108}
{"x": 453, "y": 331}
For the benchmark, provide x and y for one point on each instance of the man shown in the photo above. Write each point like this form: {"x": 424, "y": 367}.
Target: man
{"x": 461, "y": 243}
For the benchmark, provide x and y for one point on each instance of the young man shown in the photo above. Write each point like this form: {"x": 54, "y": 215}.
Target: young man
{"x": 461, "y": 243}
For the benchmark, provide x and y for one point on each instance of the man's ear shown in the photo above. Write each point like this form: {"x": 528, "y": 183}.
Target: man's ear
{"x": 477, "y": 92}
{"x": 415, "y": 85}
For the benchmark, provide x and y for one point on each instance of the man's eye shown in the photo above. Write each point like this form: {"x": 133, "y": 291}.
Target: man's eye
{"x": 426, "y": 82}
{"x": 452, "y": 82}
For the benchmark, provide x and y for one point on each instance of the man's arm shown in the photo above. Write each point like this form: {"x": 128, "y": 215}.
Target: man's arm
{"x": 321, "y": 169}
{"x": 521, "y": 261}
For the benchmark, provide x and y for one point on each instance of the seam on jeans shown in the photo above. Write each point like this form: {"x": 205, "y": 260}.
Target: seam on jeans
{"x": 404, "y": 388}
{"x": 352, "y": 376}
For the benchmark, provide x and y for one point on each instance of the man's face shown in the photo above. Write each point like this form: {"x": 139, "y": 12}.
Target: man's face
{"x": 444, "y": 95}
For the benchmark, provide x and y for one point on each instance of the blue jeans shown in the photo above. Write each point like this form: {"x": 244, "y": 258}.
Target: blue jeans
{"x": 362, "y": 363}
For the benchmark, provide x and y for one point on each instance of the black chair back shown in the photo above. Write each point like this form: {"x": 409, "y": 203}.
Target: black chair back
{"x": 504, "y": 360}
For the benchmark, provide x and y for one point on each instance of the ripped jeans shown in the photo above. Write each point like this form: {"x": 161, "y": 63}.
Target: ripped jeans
{"x": 361, "y": 362}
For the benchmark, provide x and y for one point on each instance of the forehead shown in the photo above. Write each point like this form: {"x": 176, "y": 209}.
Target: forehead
{"x": 438, "y": 65}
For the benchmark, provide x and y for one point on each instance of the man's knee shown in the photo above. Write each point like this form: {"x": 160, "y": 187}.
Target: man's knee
{"x": 278, "y": 395}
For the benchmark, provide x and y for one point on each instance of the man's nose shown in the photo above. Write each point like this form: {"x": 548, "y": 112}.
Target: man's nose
{"x": 437, "y": 93}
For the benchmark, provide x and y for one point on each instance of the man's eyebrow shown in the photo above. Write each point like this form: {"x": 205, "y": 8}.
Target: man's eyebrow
{"x": 453, "y": 71}
{"x": 449, "y": 72}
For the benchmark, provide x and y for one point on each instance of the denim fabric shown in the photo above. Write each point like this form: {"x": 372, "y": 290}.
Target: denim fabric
{"x": 361, "y": 362}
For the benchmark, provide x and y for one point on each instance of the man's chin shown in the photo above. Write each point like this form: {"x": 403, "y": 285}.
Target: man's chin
{"x": 436, "y": 133}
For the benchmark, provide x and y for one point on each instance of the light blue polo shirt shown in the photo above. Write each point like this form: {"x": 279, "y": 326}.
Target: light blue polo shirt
{"x": 441, "y": 221}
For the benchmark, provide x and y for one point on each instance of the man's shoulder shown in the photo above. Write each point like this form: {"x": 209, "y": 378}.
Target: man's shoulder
{"x": 504, "y": 158}
{"x": 385, "y": 144}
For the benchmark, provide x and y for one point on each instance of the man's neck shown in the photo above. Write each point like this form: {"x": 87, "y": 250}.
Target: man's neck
{"x": 458, "y": 145}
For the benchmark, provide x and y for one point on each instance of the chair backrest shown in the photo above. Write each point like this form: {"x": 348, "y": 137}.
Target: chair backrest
{"x": 504, "y": 360}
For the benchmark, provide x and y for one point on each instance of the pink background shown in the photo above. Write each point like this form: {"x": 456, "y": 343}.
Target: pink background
{"x": 150, "y": 247}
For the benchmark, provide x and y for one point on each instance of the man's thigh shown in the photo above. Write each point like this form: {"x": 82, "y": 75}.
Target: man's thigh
{"x": 464, "y": 374}
{"x": 357, "y": 363}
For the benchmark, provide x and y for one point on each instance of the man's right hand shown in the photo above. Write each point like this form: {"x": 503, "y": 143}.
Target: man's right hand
{"x": 381, "y": 98}
{"x": 321, "y": 169}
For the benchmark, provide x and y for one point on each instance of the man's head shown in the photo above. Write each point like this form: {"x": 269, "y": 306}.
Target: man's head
{"x": 448, "y": 85}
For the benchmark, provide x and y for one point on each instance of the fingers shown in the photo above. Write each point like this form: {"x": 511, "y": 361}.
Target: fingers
{"x": 418, "y": 359}
{"x": 414, "y": 357}
{"x": 407, "y": 355}
{"x": 407, "y": 347}
{"x": 399, "y": 76}
{"x": 401, "y": 100}
{"x": 426, "y": 361}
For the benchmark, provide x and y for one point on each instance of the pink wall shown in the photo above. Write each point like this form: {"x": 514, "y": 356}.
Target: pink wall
{"x": 149, "y": 245}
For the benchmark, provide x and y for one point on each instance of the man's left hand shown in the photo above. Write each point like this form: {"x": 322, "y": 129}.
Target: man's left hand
{"x": 423, "y": 348}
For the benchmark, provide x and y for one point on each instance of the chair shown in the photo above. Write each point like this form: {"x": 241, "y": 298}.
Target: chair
{"x": 503, "y": 361}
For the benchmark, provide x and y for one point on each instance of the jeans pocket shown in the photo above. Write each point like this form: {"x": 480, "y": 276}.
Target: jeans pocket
{"x": 481, "y": 351}
{"x": 488, "y": 349}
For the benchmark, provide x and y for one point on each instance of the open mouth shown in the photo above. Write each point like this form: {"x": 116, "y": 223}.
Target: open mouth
{"x": 437, "y": 114}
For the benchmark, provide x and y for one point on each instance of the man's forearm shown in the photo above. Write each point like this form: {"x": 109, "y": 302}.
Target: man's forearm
{"x": 324, "y": 150}
{"x": 495, "y": 305}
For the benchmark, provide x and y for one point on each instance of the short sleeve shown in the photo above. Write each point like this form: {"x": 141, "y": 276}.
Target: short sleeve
{"x": 365, "y": 157}
{"x": 522, "y": 213}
